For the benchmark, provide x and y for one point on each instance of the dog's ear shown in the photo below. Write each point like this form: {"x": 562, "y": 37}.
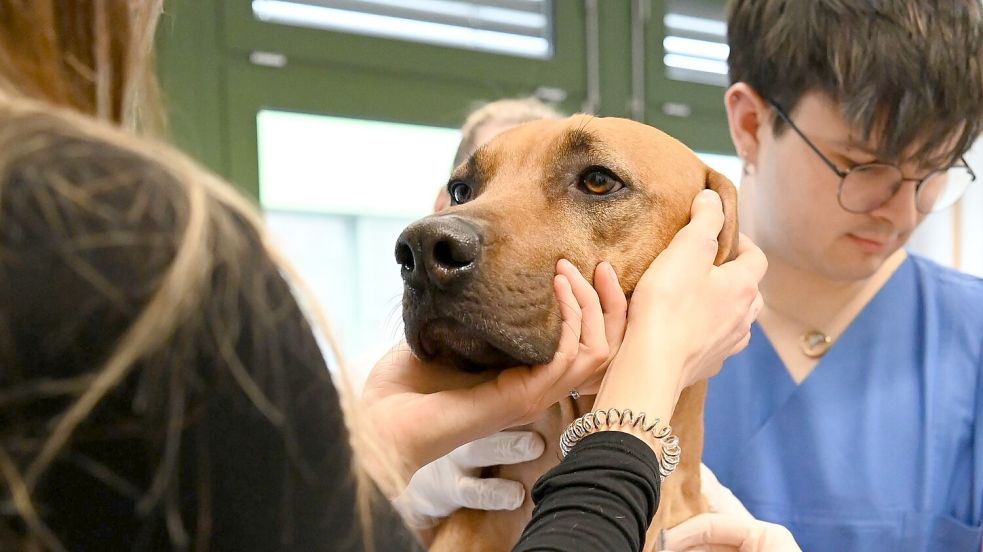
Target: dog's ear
{"x": 728, "y": 238}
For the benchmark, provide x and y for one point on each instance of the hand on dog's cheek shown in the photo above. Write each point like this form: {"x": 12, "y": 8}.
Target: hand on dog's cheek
{"x": 690, "y": 304}
{"x": 614, "y": 307}
{"x": 423, "y": 410}
{"x": 401, "y": 399}
{"x": 686, "y": 315}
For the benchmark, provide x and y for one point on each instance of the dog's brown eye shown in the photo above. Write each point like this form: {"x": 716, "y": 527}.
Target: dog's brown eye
{"x": 599, "y": 183}
{"x": 459, "y": 191}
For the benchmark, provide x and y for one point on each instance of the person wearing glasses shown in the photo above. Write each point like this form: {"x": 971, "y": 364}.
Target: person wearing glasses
{"x": 855, "y": 416}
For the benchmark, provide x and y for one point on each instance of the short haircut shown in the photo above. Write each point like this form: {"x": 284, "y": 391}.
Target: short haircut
{"x": 908, "y": 72}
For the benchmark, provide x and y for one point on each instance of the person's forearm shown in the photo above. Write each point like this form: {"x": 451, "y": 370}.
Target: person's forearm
{"x": 601, "y": 497}
{"x": 653, "y": 390}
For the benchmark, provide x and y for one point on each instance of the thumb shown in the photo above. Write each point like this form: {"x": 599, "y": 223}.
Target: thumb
{"x": 712, "y": 532}
{"x": 708, "y": 529}
{"x": 706, "y": 221}
{"x": 719, "y": 498}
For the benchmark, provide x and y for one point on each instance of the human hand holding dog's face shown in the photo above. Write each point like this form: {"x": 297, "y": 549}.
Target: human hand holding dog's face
{"x": 424, "y": 410}
{"x": 686, "y": 316}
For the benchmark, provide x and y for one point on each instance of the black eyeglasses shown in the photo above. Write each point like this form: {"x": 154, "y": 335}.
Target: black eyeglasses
{"x": 866, "y": 187}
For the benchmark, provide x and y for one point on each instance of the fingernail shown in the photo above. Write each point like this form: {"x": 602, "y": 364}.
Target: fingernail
{"x": 614, "y": 273}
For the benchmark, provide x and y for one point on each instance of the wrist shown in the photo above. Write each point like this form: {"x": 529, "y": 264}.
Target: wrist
{"x": 646, "y": 376}
{"x": 654, "y": 433}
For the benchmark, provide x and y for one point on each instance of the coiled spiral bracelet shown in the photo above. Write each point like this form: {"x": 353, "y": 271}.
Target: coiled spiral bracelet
{"x": 613, "y": 418}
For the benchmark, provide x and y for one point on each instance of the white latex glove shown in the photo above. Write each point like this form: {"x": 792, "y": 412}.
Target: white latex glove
{"x": 728, "y": 526}
{"x": 443, "y": 486}
{"x": 719, "y": 498}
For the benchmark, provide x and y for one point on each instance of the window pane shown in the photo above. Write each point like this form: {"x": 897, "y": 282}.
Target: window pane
{"x": 696, "y": 41}
{"x": 336, "y": 193}
{"x": 516, "y": 27}
{"x": 315, "y": 163}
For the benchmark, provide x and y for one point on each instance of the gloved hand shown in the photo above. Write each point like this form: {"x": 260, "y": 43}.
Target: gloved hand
{"x": 720, "y": 499}
{"x": 728, "y": 526}
{"x": 439, "y": 488}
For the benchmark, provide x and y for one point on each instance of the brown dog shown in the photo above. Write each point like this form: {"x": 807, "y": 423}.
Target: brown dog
{"x": 478, "y": 276}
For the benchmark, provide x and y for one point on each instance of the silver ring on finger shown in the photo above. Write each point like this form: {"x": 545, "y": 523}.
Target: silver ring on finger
{"x": 574, "y": 394}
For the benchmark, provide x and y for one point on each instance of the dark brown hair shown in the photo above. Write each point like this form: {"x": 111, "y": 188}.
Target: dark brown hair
{"x": 908, "y": 73}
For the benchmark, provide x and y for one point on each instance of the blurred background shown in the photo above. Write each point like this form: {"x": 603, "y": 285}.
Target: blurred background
{"x": 341, "y": 117}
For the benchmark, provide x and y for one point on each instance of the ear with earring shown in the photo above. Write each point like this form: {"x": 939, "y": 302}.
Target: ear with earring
{"x": 748, "y": 167}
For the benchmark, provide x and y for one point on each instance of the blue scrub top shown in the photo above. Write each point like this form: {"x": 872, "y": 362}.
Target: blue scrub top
{"x": 881, "y": 447}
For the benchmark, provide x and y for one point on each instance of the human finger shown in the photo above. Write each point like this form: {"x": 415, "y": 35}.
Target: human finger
{"x": 708, "y": 530}
{"x": 571, "y": 317}
{"x": 504, "y": 447}
{"x": 614, "y": 304}
{"x": 750, "y": 257}
{"x": 699, "y": 237}
{"x": 490, "y": 493}
{"x": 592, "y": 317}
{"x": 521, "y": 392}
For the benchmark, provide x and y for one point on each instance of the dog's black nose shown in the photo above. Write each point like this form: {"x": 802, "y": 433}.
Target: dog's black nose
{"x": 440, "y": 251}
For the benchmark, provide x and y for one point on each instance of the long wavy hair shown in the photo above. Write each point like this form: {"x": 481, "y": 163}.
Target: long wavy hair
{"x": 93, "y": 61}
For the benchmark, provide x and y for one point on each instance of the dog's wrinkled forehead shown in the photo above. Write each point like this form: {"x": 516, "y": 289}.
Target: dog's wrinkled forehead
{"x": 634, "y": 151}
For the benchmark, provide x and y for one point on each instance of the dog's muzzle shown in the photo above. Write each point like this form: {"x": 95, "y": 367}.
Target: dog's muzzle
{"x": 455, "y": 311}
{"x": 439, "y": 251}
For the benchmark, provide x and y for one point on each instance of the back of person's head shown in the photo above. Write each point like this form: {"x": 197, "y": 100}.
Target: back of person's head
{"x": 93, "y": 56}
{"x": 176, "y": 297}
{"x": 908, "y": 73}
{"x": 137, "y": 284}
{"x": 501, "y": 113}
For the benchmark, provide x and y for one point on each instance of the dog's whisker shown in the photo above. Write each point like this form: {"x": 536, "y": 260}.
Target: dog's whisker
{"x": 394, "y": 311}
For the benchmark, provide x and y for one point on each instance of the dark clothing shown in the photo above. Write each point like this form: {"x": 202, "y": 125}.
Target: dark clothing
{"x": 602, "y": 496}
{"x": 86, "y": 233}
{"x": 178, "y": 451}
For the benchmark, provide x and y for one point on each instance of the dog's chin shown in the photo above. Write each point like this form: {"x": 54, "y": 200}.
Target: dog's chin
{"x": 452, "y": 343}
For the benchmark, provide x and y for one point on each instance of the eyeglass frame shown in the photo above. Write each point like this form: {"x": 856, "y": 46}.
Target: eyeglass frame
{"x": 843, "y": 174}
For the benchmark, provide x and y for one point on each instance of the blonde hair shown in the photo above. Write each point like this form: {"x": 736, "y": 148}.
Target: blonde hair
{"x": 501, "y": 112}
{"x": 95, "y": 58}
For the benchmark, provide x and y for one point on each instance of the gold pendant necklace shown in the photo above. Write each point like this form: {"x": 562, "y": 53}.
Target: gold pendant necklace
{"x": 815, "y": 343}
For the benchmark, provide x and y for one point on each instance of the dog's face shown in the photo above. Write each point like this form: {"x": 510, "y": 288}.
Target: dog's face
{"x": 478, "y": 289}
